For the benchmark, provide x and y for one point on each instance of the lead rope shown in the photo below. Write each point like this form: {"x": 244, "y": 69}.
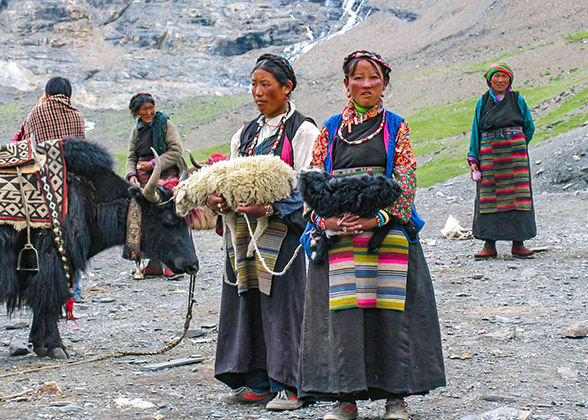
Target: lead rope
{"x": 171, "y": 345}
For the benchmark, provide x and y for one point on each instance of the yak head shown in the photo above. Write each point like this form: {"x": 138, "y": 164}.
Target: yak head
{"x": 164, "y": 234}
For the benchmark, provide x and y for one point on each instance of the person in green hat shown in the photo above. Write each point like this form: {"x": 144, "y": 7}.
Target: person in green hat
{"x": 499, "y": 163}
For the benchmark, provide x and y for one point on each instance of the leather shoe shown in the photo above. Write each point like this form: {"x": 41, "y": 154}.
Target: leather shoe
{"x": 485, "y": 254}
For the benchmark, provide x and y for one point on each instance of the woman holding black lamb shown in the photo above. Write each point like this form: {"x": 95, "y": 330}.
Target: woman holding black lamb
{"x": 370, "y": 326}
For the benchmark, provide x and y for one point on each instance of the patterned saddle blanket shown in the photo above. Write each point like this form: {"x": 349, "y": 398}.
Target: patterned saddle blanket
{"x": 43, "y": 183}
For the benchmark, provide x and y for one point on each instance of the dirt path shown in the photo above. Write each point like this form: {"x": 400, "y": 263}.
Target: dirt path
{"x": 502, "y": 323}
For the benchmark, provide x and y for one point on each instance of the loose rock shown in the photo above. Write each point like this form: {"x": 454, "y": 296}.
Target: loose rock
{"x": 577, "y": 330}
{"x": 567, "y": 373}
{"x": 18, "y": 348}
{"x": 502, "y": 413}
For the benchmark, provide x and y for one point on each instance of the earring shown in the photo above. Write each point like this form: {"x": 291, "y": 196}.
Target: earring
{"x": 348, "y": 94}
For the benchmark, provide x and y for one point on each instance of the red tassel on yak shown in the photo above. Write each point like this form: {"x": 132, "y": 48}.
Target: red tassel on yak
{"x": 69, "y": 305}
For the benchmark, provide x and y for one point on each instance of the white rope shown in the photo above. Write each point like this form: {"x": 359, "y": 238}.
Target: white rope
{"x": 273, "y": 273}
{"x": 263, "y": 263}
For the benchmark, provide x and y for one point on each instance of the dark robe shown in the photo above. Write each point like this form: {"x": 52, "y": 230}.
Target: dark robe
{"x": 356, "y": 353}
{"x": 512, "y": 225}
{"x": 259, "y": 332}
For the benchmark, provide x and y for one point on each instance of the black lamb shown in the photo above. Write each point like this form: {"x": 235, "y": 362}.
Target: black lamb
{"x": 330, "y": 196}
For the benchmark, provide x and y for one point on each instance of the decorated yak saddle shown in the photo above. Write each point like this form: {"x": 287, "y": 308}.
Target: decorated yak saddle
{"x": 32, "y": 180}
{"x": 33, "y": 190}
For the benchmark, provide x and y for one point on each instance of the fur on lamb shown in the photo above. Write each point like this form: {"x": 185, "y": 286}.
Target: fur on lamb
{"x": 362, "y": 195}
{"x": 248, "y": 180}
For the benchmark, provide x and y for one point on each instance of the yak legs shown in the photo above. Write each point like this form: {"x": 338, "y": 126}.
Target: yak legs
{"x": 45, "y": 336}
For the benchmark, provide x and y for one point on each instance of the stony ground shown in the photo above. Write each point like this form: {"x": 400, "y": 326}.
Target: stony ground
{"x": 502, "y": 323}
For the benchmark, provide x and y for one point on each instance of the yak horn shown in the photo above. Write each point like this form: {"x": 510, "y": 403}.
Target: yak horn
{"x": 193, "y": 160}
{"x": 184, "y": 174}
{"x": 150, "y": 190}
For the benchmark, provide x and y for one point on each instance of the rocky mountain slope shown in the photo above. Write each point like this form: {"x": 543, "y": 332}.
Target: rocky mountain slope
{"x": 177, "y": 48}
{"x": 192, "y": 47}
{"x": 185, "y": 49}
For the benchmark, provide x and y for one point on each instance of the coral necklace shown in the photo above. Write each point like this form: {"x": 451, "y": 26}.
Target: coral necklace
{"x": 363, "y": 140}
{"x": 278, "y": 139}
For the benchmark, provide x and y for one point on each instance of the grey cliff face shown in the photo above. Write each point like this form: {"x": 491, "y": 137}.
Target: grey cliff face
{"x": 108, "y": 41}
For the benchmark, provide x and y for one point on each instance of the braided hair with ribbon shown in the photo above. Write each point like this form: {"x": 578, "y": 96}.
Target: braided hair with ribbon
{"x": 278, "y": 66}
{"x": 350, "y": 63}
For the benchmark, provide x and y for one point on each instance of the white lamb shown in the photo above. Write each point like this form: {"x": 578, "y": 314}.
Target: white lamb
{"x": 245, "y": 180}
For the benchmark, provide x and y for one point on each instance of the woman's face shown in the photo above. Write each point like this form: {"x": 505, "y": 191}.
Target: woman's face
{"x": 269, "y": 96}
{"x": 366, "y": 84}
{"x": 146, "y": 112}
{"x": 500, "y": 82}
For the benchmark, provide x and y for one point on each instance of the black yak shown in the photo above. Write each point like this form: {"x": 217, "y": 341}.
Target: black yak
{"x": 98, "y": 202}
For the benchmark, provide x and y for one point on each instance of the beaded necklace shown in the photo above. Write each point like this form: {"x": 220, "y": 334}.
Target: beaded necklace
{"x": 363, "y": 140}
{"x": 278, "y": 139}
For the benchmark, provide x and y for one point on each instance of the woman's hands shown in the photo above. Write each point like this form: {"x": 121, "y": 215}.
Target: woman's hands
{"x": 217, "y": 202}
{"x": 144, "y": 166}
{"x": 350, "y": 224}
{"x": 253, "y": 211}
{"x": 134, "y": 180}
{"x": 474, "y": 171}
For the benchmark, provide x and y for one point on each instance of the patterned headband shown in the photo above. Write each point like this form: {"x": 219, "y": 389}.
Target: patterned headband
{"x": 498, "y": 66}
{"x": 370, "y": 56}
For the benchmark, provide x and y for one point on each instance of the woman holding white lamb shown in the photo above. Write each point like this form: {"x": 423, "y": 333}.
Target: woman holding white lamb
{"x": 261, "y": 315}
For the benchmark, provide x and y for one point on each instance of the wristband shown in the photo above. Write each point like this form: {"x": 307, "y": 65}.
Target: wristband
{"x": 318, "y": 221}
{"x": 269, "y": 209}
{"x": 385, "y": 215}
{"x": 382, "y": 218}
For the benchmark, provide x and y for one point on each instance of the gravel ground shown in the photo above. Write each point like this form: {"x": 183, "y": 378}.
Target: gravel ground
{"x": 502, "y": 323}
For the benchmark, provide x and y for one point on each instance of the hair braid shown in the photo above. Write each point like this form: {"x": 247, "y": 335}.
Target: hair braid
{"x": 280, "y": 62}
